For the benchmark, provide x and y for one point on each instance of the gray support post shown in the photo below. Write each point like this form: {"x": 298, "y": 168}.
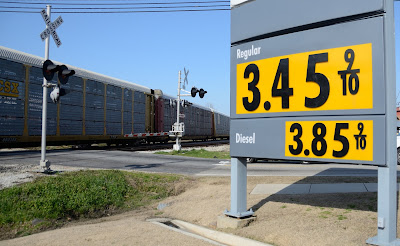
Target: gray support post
{"x": 387, "y": 176}
{"x": 239, "y": 189}
{"x": 387, "y": 207}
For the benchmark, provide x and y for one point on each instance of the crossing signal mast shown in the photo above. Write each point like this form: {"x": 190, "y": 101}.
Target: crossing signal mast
{"x": 178, "y": 128}
{"x": 49, "y": 69}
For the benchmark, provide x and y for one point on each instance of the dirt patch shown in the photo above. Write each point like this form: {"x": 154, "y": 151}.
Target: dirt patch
{"x": 127, "y": 229}
{"x": 313, "y": 219}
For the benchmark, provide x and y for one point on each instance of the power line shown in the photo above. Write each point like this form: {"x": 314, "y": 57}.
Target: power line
{"x": 111, "y": 4}
{"x": 96, "y": 8}
{"x": 115, "y": 8}
{"x": 115, "y": 12}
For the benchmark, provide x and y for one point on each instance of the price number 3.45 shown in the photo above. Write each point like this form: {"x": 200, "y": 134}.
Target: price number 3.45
{"x": 332, "y": 79}
{"x": 348, "y": 140}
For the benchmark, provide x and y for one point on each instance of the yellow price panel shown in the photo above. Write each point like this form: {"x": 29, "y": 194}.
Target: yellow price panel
{"x": 346, "y": 140}
{"x": 331, "y": 79}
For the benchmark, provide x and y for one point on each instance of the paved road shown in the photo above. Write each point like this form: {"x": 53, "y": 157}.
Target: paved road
{"x": 181, "y": 165}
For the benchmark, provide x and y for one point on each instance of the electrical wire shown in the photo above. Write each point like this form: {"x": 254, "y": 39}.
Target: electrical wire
{"x": 133, "y": 8}
{"x": 134, "y": 3}
{"x": 114, "y": 8}
{"x": 115, "y": 12}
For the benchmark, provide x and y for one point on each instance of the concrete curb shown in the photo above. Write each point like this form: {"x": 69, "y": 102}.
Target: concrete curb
{"x": 221, "y": 237}
{"x": 160, "y": 222}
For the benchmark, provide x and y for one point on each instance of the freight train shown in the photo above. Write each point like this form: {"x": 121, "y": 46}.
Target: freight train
{"x": 95, "y": 109}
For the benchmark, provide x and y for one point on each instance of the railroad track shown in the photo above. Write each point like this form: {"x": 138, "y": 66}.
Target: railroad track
{"x": 169, "y": 145}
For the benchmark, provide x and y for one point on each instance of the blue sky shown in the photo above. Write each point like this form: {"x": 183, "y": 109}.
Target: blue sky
{"x": 145, "y": 48}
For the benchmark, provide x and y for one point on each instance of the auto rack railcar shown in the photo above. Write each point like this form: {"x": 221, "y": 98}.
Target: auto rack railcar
{"x": 96, "y": 109}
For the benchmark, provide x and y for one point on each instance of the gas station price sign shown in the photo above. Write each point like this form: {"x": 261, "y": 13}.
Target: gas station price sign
{"x": 331, "y": 79}
{"x": 318, "y": 86}
{"x": 316, "y": 94}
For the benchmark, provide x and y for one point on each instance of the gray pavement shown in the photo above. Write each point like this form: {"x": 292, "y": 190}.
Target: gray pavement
{"x": 263, "y": 189}
{"x": 125, "y": 160}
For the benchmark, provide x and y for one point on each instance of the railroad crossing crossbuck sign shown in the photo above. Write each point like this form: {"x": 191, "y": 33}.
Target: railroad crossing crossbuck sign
{"x": 185, "y": 80}
{"x": 51, "y": 29}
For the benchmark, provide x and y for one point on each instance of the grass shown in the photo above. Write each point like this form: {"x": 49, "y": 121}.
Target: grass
{"x": 324, "y": 214}
{"x": 199, "y": 153}
{"x": 50, "y": 202}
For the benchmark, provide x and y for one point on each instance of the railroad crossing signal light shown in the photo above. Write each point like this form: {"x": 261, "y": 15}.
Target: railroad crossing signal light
{"x": 202, "y": 92}
{"x": 49, "y": 69}
{"x": 64, "y": 73}
{"x": 194, "y": 91}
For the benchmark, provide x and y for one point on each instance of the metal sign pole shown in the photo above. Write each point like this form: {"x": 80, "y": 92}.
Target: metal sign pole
{"x": 50, "y": 30}
{"x": 239, "y": 189}
{"x": 387, "y": 176}
{"x": 45, "y": 164}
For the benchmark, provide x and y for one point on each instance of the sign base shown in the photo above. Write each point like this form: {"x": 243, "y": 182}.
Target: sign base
{"x": 239, "y": 215}
{"x": 177, "y": 147}
{"x": 375, "y": 241}
{"x": 45, "y": 164}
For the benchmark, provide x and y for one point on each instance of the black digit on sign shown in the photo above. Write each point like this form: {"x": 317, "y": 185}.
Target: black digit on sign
{"x": 349, "y": 57}
{"x": 252, "y": 86}
{"x": 354, "y": 88}
{"x": 342, "y": 139}
{"x": 319, "y": 138}
{"x": 285, "y": 92}
{"x": 296, "y": 138}
{"x": 318, "y": 78}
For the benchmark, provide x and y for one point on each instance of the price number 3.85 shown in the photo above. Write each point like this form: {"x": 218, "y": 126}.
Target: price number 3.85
{"x": 348, "y": 140}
